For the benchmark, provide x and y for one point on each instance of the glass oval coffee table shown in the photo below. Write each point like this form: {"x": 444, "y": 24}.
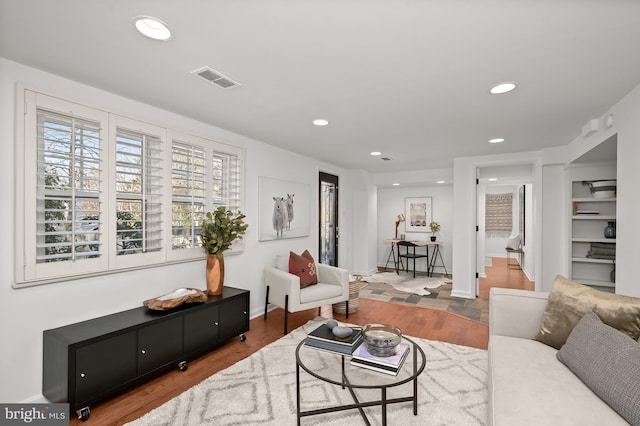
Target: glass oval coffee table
{"x": 336, "y": 369}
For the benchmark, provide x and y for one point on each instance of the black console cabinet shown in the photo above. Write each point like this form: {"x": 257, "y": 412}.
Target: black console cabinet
{"x": 91, "y": 360}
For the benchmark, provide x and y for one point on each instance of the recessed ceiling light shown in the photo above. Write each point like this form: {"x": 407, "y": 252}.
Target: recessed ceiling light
{"x": 440, "y": 181}
{"x": 320, "y": 122}
{"x": 152, "y": 28}
{"x": 496, "y": 140}
{"x": 375, "y": 153}
{"x": 492, "y": 179}
{"x": 503, "y": 88}
{"x": 395, "y": 184}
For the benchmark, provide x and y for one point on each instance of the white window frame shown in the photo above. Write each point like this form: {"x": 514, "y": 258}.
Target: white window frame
{"x": 138, "y": 259}
{"x": 27, "y": 271}
{"x": 210, "y": 148}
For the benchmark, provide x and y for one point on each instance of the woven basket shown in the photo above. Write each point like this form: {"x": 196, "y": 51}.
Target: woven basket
{"x": 354, "y": 293}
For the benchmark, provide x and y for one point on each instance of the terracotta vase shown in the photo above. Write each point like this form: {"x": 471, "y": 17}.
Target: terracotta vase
{"x": 215, "y": 274}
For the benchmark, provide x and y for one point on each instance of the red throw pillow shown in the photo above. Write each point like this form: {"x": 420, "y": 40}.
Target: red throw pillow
{"x": 304, "y": 267}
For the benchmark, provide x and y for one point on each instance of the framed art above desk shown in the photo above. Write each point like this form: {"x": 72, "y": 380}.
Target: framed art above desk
{"x": 418, "y": 214}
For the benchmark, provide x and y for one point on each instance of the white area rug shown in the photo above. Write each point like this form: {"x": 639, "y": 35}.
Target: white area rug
{"x": 405, "y": 282}
{"x": 261, "y": 390}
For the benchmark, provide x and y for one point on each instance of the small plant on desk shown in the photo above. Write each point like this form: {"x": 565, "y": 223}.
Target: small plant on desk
{"x": 435, "y": 227}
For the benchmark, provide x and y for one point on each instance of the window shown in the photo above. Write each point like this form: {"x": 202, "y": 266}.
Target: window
{"x": 188, "y": 176}
{"x": 103, "y": 193}
{"x": 204, "y": 176}
{"x": 68, "y": 225}
{"x": 137, "y": 217}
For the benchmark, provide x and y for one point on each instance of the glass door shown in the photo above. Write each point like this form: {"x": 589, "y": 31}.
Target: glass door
{"x": 328, "y": 229}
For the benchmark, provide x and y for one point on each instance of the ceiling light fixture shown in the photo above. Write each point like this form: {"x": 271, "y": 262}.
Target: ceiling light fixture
{"x": 376, "y": 153}
{"x": 496, "y": 140}
{"x": 503, "y": 87}
{"x": 152, "y": 28}
{"x": 320, "y": 122}
{"x": 492, "y": 179}
{"x": 440, "y": 181}
{"x": 395, "y": 184}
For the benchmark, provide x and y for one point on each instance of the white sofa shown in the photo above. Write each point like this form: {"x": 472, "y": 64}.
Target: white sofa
{"x": 527, "y": 383}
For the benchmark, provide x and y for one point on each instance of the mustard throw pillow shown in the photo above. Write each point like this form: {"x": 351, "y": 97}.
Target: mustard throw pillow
{"x": 569, "y": 301}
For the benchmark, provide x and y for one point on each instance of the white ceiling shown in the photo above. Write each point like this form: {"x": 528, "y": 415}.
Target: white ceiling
{"x": 409, "y": 78}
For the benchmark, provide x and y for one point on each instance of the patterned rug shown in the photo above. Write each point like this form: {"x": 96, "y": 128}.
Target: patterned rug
{"x": 438, "y": 298}
{"x": 261, "y": 390}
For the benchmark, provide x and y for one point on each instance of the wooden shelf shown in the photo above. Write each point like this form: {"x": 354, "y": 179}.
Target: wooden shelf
{"x": 607, "y": 217}
{"x": 591, "y": 260}
{"x": 592, "y": 200}
{"x": 593, "y": 240}
{"x": 596, "y": 283}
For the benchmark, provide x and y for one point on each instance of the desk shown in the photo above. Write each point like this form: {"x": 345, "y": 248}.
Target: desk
{"x": 393, "y": 253}
{"x": 431, "y": 261}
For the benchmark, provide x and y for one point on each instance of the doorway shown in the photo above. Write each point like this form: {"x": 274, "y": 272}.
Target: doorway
{"x": 504, "y": 206}
{"x": 328, "y": 228}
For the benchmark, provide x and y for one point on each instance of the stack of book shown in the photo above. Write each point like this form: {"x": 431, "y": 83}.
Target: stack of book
{"x": 323, "y": 338}
{"x": 389, "y": 365}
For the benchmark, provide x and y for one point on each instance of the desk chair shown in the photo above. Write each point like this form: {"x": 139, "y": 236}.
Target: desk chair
{"x": 410, "y": 255}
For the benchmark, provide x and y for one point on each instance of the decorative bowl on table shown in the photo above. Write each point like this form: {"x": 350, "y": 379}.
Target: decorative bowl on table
{"x": 381, "y": 339}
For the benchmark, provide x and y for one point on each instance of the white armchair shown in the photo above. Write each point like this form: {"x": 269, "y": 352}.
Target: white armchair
{"x": 283, "y": 289}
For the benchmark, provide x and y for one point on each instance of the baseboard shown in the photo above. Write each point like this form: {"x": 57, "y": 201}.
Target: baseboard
{"x": 36, "y": 399}
{"x": 371, "y": 272}
{"x": 462, "y": 294}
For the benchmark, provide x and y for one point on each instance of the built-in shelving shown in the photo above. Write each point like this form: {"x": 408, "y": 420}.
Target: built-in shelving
{"x": 589, "y": 217}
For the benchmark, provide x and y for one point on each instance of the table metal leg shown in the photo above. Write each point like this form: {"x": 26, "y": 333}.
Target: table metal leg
{"x": 298, "y": 392}
{"x": 384, "y": 406}
{"x": 415, "y": 382}
{"x": 391, "y": 253}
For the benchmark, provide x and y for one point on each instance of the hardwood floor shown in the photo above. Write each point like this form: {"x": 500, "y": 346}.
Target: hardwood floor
{"x": 499, "y": 274}
{"x": 414, "y": 321}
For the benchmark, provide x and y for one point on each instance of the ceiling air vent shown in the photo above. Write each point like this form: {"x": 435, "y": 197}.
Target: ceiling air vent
{"x": 385, "y": 158}
{"x": 215, "y": 77}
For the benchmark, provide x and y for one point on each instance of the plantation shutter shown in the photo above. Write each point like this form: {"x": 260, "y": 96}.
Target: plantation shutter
{"x": 188, "y": 189}
{"x": 68, "y": 224}
{"x": 226, "y": 181}
{"x": 98, "y": 192}
{"x": 138, "y": 179}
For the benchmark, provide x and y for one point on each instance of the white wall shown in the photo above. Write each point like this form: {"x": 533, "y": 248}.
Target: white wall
{"x": 361, "y": 221}
{"x": 391, "y": 202}
{"x": 26, "y": 312}
{"x": 627, "y": 124}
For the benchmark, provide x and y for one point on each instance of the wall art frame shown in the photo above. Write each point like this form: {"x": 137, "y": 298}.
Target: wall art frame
{"x": 277, "y": 199}
{"x": 418, "y": 214}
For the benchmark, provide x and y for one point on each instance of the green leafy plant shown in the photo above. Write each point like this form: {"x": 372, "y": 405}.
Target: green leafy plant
{"x": 435, "y": 227}
{"x": 220, "y": 229}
